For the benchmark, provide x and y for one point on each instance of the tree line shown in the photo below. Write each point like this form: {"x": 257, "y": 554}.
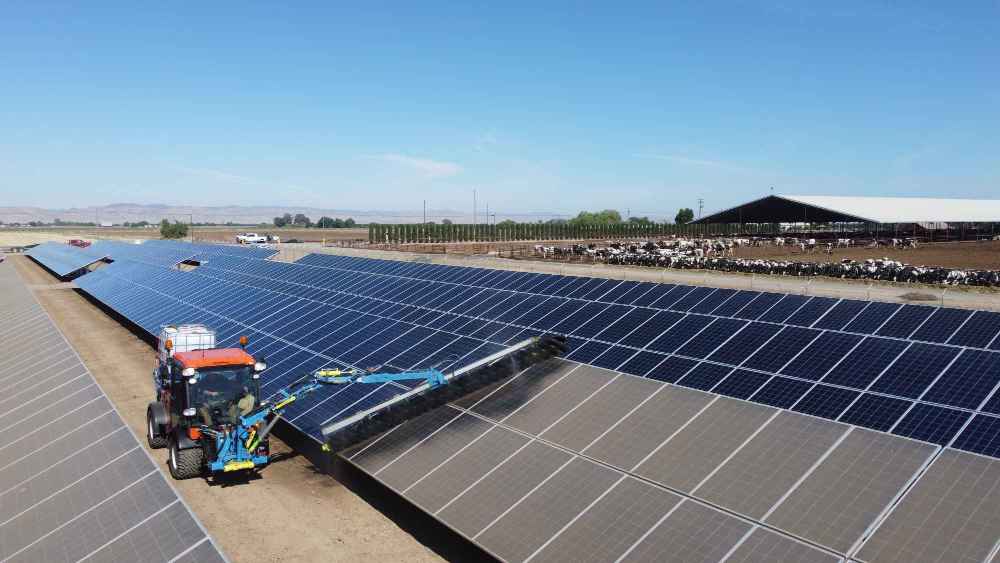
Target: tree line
{"x": 607, "y": 223}
{"x": 302, "y": 221}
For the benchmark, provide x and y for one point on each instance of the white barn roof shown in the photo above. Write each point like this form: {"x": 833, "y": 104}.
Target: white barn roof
{"x": 822, "y": 208}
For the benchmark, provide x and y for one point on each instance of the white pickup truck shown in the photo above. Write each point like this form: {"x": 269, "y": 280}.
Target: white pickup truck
{"x": 250, "y": 238}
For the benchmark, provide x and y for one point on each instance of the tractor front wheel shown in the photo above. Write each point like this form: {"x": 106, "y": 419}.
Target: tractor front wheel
{"x": 185, "y": 464}
{"x": 153, "y": 436}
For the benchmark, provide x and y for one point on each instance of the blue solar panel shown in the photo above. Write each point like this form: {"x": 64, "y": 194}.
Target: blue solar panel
{"x": 982, "y": 436}
{"x": 601, "y": 321}
{"x": 759, "y": 305}
{"x": 781, "y": 392}
{"x": 741, "y": 383}
{"x": 743, "y": 345}
{"x": 868, "y": 360}
{"x": 666, "y": 300}
{"x": 613, "y": 357}
{"x": 642, "y": 363}
{"x": 643, "y": 335}
{"x": 840, "y": 315}
{"x": 825, "y": 401}
{"x": 915, "y": 370}
{"x": 931, "y": 423}
{"x": 620, "y": 290}
{"x": 872, "y": 317}
{"x": 941, "y": 325}
{"x": 693, "y": 298}
{"x": 713, "y": 300}
{"x": 713, "y": 336}
{"x": 875, "y": 411}
{"x": 622, "y": 327}
{"x": 979, "y": 331}
{"x": 968, "y": 381}
{"x": 821, "y": 355}
{"x": 672, "y": 369}
{"x": 735, "y": 303}
{"x": 811, "y": 311}
{"x": 657, "y": 291}
{"x": 906, "y": 321}
{"x": 785, "y": 308}
{"x": 705, "y": 376}
{"x": 679, "y": 333}
{"x": 781, "y": 349}
{"x": 64, "y": 259}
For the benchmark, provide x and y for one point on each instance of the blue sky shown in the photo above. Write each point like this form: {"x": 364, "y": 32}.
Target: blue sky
{"x": 540, "y": 106}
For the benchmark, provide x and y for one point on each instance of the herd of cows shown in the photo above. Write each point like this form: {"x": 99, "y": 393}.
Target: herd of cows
{"x": 717, "y": 254}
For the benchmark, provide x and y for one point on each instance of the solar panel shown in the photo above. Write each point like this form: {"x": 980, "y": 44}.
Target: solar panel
{"x": 405, "y": 315}
{"x": 74, "y": 481}
{"x": 63, "y": 259}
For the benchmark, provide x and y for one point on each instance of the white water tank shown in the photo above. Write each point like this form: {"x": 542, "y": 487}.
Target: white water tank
{"x": 185, "y": 338}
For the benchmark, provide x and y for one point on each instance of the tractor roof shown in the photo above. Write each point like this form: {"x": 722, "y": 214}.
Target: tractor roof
{"x": 214, "y": 358}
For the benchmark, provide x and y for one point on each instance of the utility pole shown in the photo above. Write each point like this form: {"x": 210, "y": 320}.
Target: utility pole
{"x": 191, "y": 227}
{"x": 425, "y": 211}
{"x": 701, "y": 206}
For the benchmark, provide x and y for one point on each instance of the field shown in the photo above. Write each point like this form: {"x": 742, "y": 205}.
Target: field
{"x": 982, "y": 255}
{"x": 24, "y": 236}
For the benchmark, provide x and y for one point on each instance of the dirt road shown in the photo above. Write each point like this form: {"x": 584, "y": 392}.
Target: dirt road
{"x": 293, "y": 513}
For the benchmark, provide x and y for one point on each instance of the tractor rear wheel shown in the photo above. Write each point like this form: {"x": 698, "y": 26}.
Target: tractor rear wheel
{"x": 185, "y": 464}
{"x": 153, "y": 434}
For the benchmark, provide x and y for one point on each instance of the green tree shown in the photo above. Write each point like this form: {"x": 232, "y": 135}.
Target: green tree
{"x": 446, "y": 221}
{"x": 639, "y": 220}
{"x": 605, "y": 217}
{"x": 173, "y": 230}
{"x": 283, "y": 221}
{"x": 684, "y": 215}
{"x": 350, "y": 223}
{"x": 301, "y": 221}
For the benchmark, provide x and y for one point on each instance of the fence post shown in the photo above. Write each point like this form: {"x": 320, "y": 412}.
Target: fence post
{"x": 943, "y": 291}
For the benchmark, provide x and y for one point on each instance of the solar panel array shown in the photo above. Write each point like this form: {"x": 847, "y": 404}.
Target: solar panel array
{"x": 75, "y": 483}
{"x": 63, "y": 259}
{"x": 687, "y": 423}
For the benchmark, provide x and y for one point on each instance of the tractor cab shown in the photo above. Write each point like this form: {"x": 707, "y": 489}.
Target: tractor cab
{"x": 219, "y": 386}
{"x": 203, "y": 395}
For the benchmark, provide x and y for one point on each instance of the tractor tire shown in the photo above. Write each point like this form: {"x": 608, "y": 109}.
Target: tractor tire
{"x": 153, "y": 436}
{"x": 185, "y": 464}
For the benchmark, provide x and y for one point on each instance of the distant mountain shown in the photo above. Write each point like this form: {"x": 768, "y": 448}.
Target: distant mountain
{"x": 119, "y": 213}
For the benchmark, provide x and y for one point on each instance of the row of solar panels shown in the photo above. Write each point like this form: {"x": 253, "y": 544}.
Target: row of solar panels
{"x": 75, "y": 484}
{"x": 866, "y": 380}
{"x": 538, "y": 470}
{"x": 65, "y": 260}
{"x": 944, "y": 394}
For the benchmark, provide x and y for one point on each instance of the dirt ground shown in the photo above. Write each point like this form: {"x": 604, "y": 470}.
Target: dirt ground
{"x": 292, "y": 513}
{"x": 24, "y": 236}
{"x": 981, "y": 255}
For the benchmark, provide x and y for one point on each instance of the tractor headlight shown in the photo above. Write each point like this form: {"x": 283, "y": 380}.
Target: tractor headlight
{"x": 193, "y": 380}
{"x": 189, "y": 412}
{"x": 187, "y": 372}
{"x": 260, "y": 366}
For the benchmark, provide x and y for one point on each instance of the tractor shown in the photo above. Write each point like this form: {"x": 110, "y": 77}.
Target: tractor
{"x": 201, "y": 394}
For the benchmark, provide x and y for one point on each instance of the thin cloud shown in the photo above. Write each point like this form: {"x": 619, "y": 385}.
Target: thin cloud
{"x": 427, "y": 167}
{"x": 702, "y": 162}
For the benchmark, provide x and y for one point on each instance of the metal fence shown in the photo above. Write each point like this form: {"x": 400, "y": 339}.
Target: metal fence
{"x": 411, "y": 233}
